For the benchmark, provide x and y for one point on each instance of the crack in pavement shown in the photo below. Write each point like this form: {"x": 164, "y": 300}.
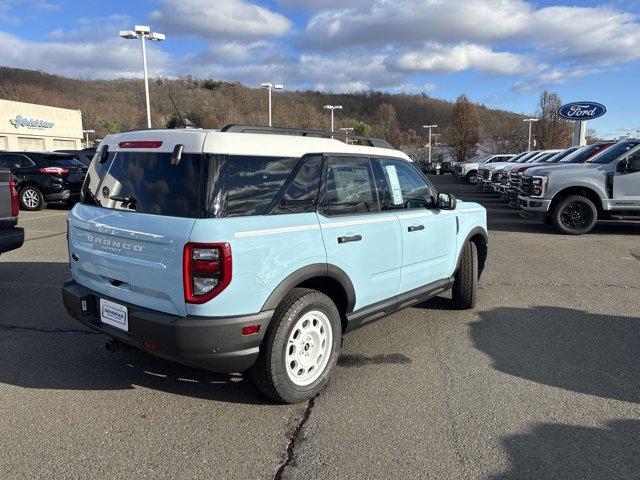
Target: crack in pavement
{"x": 573, "y": 285}
{"x": 9, "y": 327}
{"x": 292, "y": 439}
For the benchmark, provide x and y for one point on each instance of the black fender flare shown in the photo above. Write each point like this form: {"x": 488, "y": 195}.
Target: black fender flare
{"x": 306, "y": 273}
{"x": 483, "y": 255}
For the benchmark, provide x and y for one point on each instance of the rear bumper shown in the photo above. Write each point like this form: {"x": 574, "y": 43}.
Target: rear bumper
{"x": 212, "y": 343}
{"x": 11, "y": 239}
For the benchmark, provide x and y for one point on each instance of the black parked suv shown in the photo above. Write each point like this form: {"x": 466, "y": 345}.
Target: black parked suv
{"x": 85, "y": 155}
{"x": 45, "y": 177}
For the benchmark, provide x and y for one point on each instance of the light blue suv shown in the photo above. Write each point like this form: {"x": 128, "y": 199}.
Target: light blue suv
{"x": 254, "y": 248}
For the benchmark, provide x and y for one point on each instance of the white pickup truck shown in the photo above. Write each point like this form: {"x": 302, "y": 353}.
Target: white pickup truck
{"x": 469, "y": 170}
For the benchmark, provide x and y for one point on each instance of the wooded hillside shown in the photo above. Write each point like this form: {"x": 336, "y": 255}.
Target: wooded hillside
{"x": 118, "y": 105}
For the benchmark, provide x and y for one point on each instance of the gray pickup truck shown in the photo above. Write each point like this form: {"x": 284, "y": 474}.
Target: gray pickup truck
{"x": 574, "y": 197}
{"x": 11, "y": 237}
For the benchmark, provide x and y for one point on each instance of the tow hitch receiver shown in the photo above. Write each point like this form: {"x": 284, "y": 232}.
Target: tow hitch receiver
{"x": 114, "y": 346}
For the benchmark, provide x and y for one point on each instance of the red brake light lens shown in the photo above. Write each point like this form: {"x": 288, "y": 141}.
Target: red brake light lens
{"x": 206, "y": 270}
{"x": 56, "y": 170}
{"x": 141, "y": 144}
{"x": 15, "y": 203}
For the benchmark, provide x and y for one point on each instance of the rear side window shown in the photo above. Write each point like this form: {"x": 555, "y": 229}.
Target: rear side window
{"x": 301, "y": 193}
{"x": 350, "y": 187}
{"x": 253, "y": 182}
{"x": 154, "y": 185}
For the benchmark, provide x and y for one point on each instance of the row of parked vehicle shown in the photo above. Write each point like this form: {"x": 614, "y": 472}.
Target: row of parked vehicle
{"x": 571, "y": 188}
{"x": 47, "y": 177}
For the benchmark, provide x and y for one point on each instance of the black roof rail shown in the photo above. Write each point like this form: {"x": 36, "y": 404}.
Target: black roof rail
{"x": 302, "y": 132}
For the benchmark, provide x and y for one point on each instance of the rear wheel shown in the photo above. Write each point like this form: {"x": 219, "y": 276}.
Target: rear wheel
{"x": 472, "y": 177}
{"x": 574, "y": 215}
{"x": 300, "y": 348}
{"x": 465, "y": 286}
{"x": 31, "y": 198}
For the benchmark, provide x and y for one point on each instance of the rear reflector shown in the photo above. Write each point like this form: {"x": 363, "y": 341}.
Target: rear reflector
{"x": 141, "y": 144}
{"x": 250, "y": 329}
{"x": 150, "y": 345}
{"x": 15, "y": 203}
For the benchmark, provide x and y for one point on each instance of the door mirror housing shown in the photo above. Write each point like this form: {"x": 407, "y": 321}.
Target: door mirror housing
{"x": 631, "y": 164}
{"x": 446, "y": 201}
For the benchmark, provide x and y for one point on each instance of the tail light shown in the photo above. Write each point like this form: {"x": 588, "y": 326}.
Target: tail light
{"x": 141, "y": 144}
{"x": 206, "y": 270}
{"x": 15, "y": 203}
{"x": 57, "y": 170}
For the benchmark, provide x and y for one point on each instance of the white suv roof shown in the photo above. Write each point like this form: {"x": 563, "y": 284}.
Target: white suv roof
{"x": 261, "y": 144}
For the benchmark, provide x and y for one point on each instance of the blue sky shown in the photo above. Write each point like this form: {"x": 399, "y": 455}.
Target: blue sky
{"x": 501, "y": 53}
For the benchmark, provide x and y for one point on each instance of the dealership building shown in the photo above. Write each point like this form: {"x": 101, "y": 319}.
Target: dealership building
{"x": 25, "y": 126}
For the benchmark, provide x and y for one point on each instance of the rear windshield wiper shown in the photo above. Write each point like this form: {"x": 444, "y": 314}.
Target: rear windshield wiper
{"x": 128, "y": 201}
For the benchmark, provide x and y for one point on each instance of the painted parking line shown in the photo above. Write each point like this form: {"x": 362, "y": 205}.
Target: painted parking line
{"x": 22, "y": 219}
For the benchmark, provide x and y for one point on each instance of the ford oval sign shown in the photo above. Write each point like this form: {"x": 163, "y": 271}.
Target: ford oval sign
{"x": 581, "y": 111}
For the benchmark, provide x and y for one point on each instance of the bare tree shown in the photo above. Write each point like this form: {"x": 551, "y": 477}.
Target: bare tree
{"x": 464, "y": 133}
{"x": 550, "y": 130}
{"x": 386, "y": 123}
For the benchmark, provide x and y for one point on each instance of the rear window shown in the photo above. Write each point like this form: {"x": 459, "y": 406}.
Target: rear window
{"x": 150, "y": 183}
{"x": 66, "y": 161}
{"x": 200, "y": 186}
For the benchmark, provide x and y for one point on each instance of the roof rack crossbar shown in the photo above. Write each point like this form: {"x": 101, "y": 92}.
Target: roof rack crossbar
{"x": 302, "y": 132}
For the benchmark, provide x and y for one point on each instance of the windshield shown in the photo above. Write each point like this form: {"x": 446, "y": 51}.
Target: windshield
{"x": 563, "y": 154}
{"x": 518, "y": 157}
{"x": 610, "y": 154}
{"x": 528, "y": 156}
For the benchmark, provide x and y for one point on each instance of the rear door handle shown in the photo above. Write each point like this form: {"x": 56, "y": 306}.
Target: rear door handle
{"x": 415, "y": 228}
{"x": 352, "y": 238}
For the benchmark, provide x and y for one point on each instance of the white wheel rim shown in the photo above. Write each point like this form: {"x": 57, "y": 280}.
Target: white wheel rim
{"x": 30, "y": 198}
{"x": 309, "y": 348}
{"x": 473, "y": 179}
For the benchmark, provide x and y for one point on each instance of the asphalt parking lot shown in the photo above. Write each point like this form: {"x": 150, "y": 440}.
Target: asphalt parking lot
{"x": 540, "y": 381}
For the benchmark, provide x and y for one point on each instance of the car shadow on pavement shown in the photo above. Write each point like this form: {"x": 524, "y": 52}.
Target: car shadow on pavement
{"x": 570, "y": 452}
{"x": 564, "y": 348}
{"x": 42, "y": 347}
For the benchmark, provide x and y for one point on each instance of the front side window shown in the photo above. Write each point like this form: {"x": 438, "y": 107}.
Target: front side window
{"x": 405, "y": 187}
{"x": 350, "y": 187}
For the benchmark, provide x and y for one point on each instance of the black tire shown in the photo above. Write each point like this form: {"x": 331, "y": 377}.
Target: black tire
{"x": 31, "y": 198}
{"x": 574, "y": 215}
{"x": 472, "y": 177}
{"x": 465, "y": 286}
{"x": 269, "y": 373}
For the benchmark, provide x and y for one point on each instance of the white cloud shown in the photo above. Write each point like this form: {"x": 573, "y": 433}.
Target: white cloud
{"x": 96, "y": 27}
{"x": 594, "y": 34}
{"x": 317, "y": 5}
{"x": 399, "y": 21}
{"x": 438, "y": 58}
{"x": 234, "y": 19}
{"x": 108, "y": 59}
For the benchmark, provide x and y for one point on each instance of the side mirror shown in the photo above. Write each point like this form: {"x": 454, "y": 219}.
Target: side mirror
{"x": 632, "y": 164}
{"x": 446, "y": 201}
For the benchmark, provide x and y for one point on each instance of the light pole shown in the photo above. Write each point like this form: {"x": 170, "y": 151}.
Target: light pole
{"x": 530, "y": 122}
{"x": 143, "y": 32}
{"x": 347, "y": 131}
{"x": 430, "y": 127}
{"x": 86, "y": 137}
{"x": 333, "y": 108}
{"x": 271, "y": 87}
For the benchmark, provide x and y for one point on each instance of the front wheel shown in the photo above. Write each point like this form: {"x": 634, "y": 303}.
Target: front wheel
{"x": 300, "y": 348}
{"x": 472, "y": 178}
{"x": 574, "y": 215}
{"x": 465, "y": 285}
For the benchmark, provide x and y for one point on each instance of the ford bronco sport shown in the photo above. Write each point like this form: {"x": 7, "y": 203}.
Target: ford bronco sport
{"x": 573, "y": 197}
{"x": 255, "y": 248}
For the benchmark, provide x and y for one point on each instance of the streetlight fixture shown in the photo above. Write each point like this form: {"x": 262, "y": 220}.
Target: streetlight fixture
{"x": 144, "y": 32}
{"x": 430, "y": 127}
{"x": 271, "y": 87}
{"x": 86, "y": 137}
{"x": 333, "y": 108}
{"x": 530, "y": 121}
